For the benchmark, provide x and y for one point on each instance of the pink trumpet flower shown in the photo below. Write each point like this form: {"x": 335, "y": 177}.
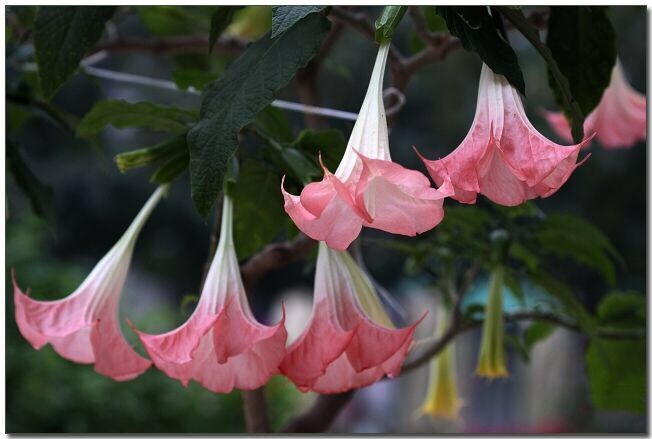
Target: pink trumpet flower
{"x": 84, "y": 327}
{"x": 350, "y": 342}
{"x": 221, "y": 345}
{"x": 503, "y": 156}
{"x": 619, "y": 120}
{"x": 367, "y": 187}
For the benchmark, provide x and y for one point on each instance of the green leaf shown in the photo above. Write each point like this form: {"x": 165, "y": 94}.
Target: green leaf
{"x": 152, "y": 154}
{"x": 62, "y": 36}
{"x": 520, "y": 22}
{"x": 583, "y": 42}
{"x": 623, "y": 309}
{"x": 271, "y": 122}
{"x": 40, "y": 195}
{"x": 258, "y": 208}
{"x": 476, "y": 30}
{"x": 329, "y": 143}
{"x": 220, "y": 19}
{"x": 537, "y": 332}
{"x": 172, "y": 167}
{"x": 572, "y": 306}
{"x": 284, "y": 17}
{"x": 123, "y": 114}
{"x": 234, "y": 100}
{"x": 570, "y": 236}
{"x": 617, "y": 374}
{"x": 195, "y": 78}
{"x": 387, "y": 23}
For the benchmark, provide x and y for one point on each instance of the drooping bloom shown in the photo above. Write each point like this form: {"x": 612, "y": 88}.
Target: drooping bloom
{"x": 619, "y": 120}
{"x": 491, "y": 362}
{"x": 503, "y": 156}
{"x": 84, "y": 327}
{"x": 350, "y": 341}
{"x": 367, "y": 187}
{"x": 221, "y": 345}
{"x": 442, "y": 400}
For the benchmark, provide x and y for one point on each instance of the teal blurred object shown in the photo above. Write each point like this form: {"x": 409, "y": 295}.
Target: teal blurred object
{"x": 534, "y": 298}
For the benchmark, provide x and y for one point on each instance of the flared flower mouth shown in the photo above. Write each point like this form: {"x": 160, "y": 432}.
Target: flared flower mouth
{"x": 350, "y": 341}
{"x": 442, "y": 399}
{"x": 503, "y": 156}
{"x": 84, "y": 327}
{"x": 221, "y": 346}
{"x": 491, "y": 361}
{"x": 619, "y": 120}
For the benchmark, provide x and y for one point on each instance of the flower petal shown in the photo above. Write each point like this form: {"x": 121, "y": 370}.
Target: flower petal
{"x": 320, "y": 344}
{"x": 398, "y": 200}
{"x": 336, "y": 222}
{"x": 114, "y": 357}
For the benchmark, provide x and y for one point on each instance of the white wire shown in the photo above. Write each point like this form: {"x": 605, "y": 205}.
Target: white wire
{"x": 130, "y": 78}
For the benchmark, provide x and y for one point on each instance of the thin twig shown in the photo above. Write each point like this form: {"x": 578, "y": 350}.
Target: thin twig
{"x": 458, "y": 328}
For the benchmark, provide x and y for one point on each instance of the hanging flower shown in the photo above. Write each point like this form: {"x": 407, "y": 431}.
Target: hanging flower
{"x": 491, "y": 363}
{"x": 350, "y": 341}
{"x": 442, "y": 400}
{"x": 503, "y": 157}
{"x": 84, "y": 327}
{"x": 367, "y": 187}
{"x": 221, "y": 345}
{"x": 619, "y": 120}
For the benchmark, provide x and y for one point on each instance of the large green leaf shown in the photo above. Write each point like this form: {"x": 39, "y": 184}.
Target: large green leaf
{"x": 258, "y": 208}
{"x": 123, "y": 114}
{"x": 572, "y": 237}
{"x": 40, "y": 195}
{"x": 617, "y": 370}
{"x": 623, "y": 309}
{"x": 617, "y": 367}
{"x": 234, "y": 100}
{"x": 62, "y": 36}
{"x": 583, "y": 43}
{"x": 476, "y": 30}
{"x": 284, "y": 17}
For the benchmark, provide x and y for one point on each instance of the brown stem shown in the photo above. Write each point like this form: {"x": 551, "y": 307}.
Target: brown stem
{"x": 320, "y": 416}
{"x": 255, "y": 411}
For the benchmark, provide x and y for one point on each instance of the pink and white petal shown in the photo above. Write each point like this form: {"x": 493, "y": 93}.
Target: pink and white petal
{"x": 395, "y": 211}
{"x": 177, "y": 346}
{"x": 75, "y": 347}
{"x": 338, "y": 225}
{"x": 386, "y": 342}
{"x": 39, "y": 321}
{"x": 249, "y": 332}
{"x": 499, "y": 184}
{"x": 114, "y": 357}
{"x": 551, "y": 184}
{"x": 320, "y": 344}
{"x": 342, "y": 377}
